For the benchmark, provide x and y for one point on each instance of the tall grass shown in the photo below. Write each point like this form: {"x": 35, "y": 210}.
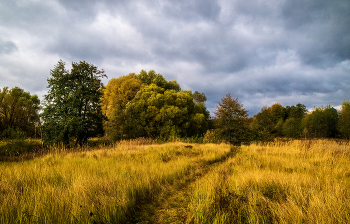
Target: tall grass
{"x": 281, "y": 182}
{"x": 96, "y": 186}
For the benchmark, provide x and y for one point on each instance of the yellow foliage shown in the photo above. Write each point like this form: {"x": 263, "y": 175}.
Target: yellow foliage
{"x": 119, "y": 91}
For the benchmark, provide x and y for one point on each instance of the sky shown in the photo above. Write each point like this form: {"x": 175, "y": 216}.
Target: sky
{"x": 263, "y": 52}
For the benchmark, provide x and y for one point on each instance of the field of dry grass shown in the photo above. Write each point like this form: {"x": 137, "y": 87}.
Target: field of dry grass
{"x": 96, "y": 186}
{"x": 281, "y": 182}
{"x": 136, "y": 182}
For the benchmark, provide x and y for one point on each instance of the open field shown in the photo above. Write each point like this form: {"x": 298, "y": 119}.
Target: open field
{"x": 292, "y": 182}
{"x": 100, "y": 186}
{"x": 281, "y": 182}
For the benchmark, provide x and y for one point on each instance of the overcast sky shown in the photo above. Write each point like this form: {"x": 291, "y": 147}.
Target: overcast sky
{"x": 261, "y": 51}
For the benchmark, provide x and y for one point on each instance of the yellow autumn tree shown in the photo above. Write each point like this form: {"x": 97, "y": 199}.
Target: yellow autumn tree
{"x": 119, "y": 91}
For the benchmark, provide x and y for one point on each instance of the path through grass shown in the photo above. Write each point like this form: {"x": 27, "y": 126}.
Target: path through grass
{"x": 170, "y": 206}
{"x": 281, "y": 182}
{"x": 98, "y": 186}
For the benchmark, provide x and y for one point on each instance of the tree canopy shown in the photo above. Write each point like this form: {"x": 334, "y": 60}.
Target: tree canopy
{"x": 19, "y": 111}
{"x": 344, "y": 120}
{"x": 73, "y": 104}
{"x": 78, "y": 107}
{"x": 231, "y": 120}
{"x": 147, "y": 105}
{"x": 321, "y": 123}
{"x": 199, "y": 97}
{"x": 278, "y": 121}
{"x": 119, "y": 91}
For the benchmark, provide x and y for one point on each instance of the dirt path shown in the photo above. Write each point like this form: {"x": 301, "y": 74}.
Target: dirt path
{"x": 170, "y": 206}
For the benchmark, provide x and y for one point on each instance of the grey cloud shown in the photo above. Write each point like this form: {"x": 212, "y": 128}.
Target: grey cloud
{"x": 321, "y": 30}
{"x": 261, "y": 51}
{"x": 7, "y": 47}
{"x": 31, "y": 16}
{"x": 192, "y": 10}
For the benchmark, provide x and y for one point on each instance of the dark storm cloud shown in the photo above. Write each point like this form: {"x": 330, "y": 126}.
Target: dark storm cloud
{"x": 260, "y": 51}
{"x": 323, "y": 29}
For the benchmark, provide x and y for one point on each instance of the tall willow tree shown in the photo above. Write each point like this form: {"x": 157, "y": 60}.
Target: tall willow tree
{"x": 73, "y": 104}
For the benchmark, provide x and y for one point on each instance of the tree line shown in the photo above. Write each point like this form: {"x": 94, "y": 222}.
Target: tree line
{"x": 78, "y": 106}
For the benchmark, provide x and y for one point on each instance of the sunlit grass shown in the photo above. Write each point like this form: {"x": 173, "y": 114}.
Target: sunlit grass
{"x": 95, "y": 186}
{"x": 282, "y": 182}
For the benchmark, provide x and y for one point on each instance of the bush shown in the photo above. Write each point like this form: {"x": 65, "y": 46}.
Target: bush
{"x": 13, "y": 134}
{"x": 212, "y": 136}
{"x": 19, "y": 147}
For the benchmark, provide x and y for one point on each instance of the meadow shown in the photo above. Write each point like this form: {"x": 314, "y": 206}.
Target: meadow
{"x": 297, "y": 181}
{"x": 96, "y": 186}
{"x": 281, "y": 182}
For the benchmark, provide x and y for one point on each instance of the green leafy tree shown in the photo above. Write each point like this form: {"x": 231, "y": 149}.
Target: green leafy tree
{"x": 156, "y": 112}
{"x": 298, "y": 111}
{"x": 18, "y": 112}
{"x": 277, "y": 121}
{"x": 147, "y": 105}
{"x": 321, "y": 123}
{"x": 268, "y": 123}
{"x": 294, "y": 115}
{"x": 292, "y": 128}
{"x": 152, "y": 78}
{"x": 231, "y": 121}
{"x": 73, "y": 104}
{"x": 261, "y": 126}
{"x": 344, "y": 120}
{"x": 199, "y": 97}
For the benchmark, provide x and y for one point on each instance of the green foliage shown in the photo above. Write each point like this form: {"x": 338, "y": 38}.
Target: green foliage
{"x": 321, "y": 123}
{"x": 152, "y": 78}
{"x": 13, "y": 134}
{"x": 199, "y": 97}
{"x": 18, "y": 113}
{"x": 147, "y": 105}
{"x": 231, "y": 121}
{"x": 298, "y": 111}
{"x": 344, "y": 120}
{"x": 279, "y": 127}
{"x": 292, "y": 128}
{"x": 277, "y": 121}
{"x": 18, "y": 147}
{"x": 73, "y": 105}
{"x": 159, "y": 113}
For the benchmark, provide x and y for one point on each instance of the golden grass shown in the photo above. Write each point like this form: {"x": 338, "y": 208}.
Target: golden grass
{"x": 282, "y": 182}
{"x": 96, "y": 186}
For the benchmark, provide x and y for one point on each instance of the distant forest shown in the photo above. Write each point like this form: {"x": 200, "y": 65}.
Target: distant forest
{"x": 78, "y": 106}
